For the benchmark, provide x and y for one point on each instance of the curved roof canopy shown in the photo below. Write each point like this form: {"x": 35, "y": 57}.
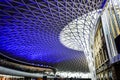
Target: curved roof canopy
{"x": 31, "y": 31}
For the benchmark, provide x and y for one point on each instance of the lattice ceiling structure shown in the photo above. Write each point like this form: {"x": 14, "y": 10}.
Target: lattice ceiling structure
{"x": 32, "y": 31}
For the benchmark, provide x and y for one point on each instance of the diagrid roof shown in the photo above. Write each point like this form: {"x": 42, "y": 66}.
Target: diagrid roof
{"x": 30, "y": 31}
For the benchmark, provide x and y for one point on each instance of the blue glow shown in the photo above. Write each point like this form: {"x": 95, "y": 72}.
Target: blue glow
{"x": 33, "y": 47}
{"x": 29, "y": 31}
{"x": 2, "y": 0}
{"x": 103, "y": 3}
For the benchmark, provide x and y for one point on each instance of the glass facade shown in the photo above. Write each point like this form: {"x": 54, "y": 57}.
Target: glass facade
{"x": 100, "y": 53}
{"x": 107, "y": 43}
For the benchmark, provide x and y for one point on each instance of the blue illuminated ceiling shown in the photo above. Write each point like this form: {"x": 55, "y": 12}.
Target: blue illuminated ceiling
{"x": 30, "y": 29}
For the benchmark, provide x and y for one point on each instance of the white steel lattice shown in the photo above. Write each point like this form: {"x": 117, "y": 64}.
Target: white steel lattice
{"x": 31, "y": 31}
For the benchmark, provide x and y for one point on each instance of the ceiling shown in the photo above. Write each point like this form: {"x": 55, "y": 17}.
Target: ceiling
{"x": 30, "y": 31}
